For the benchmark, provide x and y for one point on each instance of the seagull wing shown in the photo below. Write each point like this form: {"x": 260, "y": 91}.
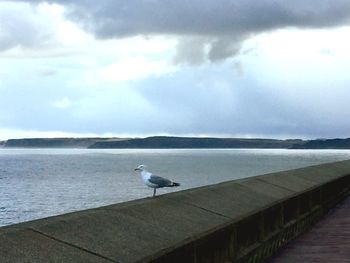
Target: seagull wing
{"x": 160, "y": 181}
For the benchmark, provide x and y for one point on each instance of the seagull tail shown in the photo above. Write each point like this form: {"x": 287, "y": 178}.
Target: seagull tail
{"x": 175, "y": 184}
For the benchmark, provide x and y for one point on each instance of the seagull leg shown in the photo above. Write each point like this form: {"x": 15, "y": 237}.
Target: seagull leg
{"x": 154, "y": 192}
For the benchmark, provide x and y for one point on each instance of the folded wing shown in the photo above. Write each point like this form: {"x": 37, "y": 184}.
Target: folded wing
{"x": 160, "y": 181}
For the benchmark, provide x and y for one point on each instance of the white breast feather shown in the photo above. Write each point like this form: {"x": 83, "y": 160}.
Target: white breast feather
{"x": 145, "y": 177}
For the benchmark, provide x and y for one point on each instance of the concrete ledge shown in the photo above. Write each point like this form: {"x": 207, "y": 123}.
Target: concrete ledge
{"x": 245, "y": 220}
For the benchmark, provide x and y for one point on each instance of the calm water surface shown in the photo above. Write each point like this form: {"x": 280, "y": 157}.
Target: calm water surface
{"x": 36, "y": 183}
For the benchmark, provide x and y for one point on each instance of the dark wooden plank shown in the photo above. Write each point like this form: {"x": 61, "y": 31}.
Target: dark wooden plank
{"x": 328, "y": 241}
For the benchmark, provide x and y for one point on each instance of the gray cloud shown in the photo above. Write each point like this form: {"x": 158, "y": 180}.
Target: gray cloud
{"x": 191, "y": 50}
{"x": 210, "y": 30}
{"x": 112, "y": 18}
{"x": 21, "y": 26}
{"x": 46, "y": 72}
{"x": 217, "y": 27}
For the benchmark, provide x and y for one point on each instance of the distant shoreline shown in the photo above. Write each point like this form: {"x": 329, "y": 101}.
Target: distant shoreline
{"x": 171, "y": 142}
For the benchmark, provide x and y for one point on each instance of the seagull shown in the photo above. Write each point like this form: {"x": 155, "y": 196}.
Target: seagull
{"x": 154, "y": 181}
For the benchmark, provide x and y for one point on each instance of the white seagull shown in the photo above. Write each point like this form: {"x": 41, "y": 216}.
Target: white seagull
{"x": 154, "y": 181}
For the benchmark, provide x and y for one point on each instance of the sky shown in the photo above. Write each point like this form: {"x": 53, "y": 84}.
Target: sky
{"x": 224, "y": 68}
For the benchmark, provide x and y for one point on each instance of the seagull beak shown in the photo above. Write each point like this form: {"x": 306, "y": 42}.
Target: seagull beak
{"x": 136, "y": 169}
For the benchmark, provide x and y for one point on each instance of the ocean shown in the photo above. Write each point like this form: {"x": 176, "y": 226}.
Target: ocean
{"x": 37, "y": 183}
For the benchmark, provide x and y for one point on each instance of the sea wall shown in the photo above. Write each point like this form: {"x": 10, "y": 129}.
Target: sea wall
{"x": 244, "y": 220}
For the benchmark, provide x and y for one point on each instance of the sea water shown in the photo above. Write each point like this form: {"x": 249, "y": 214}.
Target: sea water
{"x": 36, "y": 183}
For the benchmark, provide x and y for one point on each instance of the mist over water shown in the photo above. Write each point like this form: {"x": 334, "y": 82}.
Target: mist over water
{"x": 36, "y": 183}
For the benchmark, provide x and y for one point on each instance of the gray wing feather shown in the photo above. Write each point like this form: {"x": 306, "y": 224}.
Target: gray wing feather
{"x": 160, "y": 181}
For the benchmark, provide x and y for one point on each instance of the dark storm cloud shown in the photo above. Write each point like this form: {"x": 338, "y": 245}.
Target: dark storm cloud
{"x": 111, "y": 18}
{"x": 218, "y": 27}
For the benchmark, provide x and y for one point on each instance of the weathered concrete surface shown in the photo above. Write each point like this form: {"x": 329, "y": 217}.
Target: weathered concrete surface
{"x": 229, "y": 199}
{"x": 238, "y": 221}
{"x": 265, "y": 188}
{"x": 131, "y": 231}
{"x": 25, "y": 245}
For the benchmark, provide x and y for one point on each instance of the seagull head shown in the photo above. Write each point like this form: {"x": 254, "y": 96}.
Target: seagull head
{"x": 140, "y": 168}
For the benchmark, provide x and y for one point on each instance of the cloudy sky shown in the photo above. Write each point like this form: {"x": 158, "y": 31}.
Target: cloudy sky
{"x": 241, "y": 68}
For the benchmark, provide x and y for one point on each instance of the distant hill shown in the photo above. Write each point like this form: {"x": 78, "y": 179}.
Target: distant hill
{"x": 163, "y": 142}
{"x": 168, "y": 142}
{"x": 54, "y": 142}
{"x": 324, "y": 144}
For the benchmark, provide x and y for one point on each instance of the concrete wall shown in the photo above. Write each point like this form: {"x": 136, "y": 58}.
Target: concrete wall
{"x": 238, "y": 221}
